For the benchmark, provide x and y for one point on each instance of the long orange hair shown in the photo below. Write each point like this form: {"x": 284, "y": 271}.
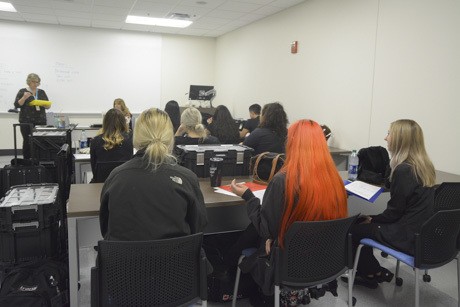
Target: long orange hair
{"x": 314, "y": 190}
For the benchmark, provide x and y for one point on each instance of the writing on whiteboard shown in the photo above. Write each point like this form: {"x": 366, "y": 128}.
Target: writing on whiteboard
{"x": 65, "y": 72}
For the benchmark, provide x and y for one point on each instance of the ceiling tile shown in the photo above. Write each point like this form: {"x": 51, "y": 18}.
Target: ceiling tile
{"x": 116, "y": 3}
{"x": 65, "y": 13}
{"x": 34, "y": 10}
{"x": 107, "y": 24}
{"x": 40, "y": 18}
{"x": 11, "y": 16}
{"x": 210, "y": 4}
{"x": 71, "y": 6}
{"x": 285, "y": 3}
{"x": 32, "y": 3}
{"x": 268, "y": 10}
{"x": 105, "y": 17}
{"x": 225, "y": 14}
{"x": 129, "y": 26}
{"x": 71, "y": 21}
{"x": 156, "y": 14}
{"x": 110, "y": 10}
{"x": 152, "y": 7}
{"x": 251, "y": 17}
{"x": 239, "y": 6}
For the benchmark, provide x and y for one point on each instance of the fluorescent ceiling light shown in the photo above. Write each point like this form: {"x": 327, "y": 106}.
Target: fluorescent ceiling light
{"x": 7, "y": 7}
{"x": 162, "y": 22}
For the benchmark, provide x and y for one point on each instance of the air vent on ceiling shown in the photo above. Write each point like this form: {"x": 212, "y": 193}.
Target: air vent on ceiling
{"x": 179, "y": 16}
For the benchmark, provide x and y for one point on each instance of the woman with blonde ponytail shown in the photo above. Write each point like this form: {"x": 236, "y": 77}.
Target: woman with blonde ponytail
{"x": 411, "y": 201}
{"x": 191, "y": 131}
{"x": 151, "y": 197}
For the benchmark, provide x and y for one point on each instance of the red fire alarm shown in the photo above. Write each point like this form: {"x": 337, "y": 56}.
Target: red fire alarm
{"x": 294, "y": 47}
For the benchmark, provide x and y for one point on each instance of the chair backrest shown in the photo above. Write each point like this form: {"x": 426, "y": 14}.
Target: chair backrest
{"x": 103, "y": 170}
{"x": 447, "y": 196}
{"x": 314, "y": 252}
{"x": 436, "y": 244}
{"x": 167, "y": 272}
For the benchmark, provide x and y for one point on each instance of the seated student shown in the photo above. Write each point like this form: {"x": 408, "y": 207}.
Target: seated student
{"x": 411, "y": 202}
{"x": 151, "y": 197}
{"x": 272, "y": 130}
{"x": 253, "y": 121}
{"x": 191, "y": 131}
{"x": 120, "y": 105}
{"x": 223, "y": 126}
{"x": 307, "y": 188}
{"x": 114, "y": 143}
{"x": 173, "y": 110}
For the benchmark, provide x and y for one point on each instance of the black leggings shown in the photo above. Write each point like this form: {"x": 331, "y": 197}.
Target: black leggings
{"x": 367, "y": 264}
{"x": 26, "y": 131}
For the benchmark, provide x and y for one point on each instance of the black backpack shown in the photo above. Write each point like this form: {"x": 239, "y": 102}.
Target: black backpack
{"x": 37, "y": 284}
{"x": 374, "y": 164}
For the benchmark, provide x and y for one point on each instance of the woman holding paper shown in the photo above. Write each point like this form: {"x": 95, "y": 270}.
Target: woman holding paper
{"x": 412, "y": 197}
{"x": 307, "y": 188}
{"x": 31, "y": 112}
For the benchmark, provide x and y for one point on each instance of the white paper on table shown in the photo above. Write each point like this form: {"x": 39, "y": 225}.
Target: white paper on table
{"x": 259, "y": 194}
{"x": 362, "y": 189}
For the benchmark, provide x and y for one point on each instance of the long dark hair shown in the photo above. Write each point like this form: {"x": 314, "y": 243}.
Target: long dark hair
{"x": 223, "y": 126}
{"x": 274, "y": 118}
{"x": 172, "y": 108}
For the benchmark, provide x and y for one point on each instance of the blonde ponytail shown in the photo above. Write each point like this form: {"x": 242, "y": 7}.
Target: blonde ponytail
{"x": 153, "y": 132}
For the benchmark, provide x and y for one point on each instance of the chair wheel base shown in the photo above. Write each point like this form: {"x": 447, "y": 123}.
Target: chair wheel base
{"x": 426, "y": 278}
{"x": 399, "y": 281}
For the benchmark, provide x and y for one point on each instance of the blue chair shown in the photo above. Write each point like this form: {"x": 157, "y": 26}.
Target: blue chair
{"x": 314, "y": 253}
{"x": 435, "y": 246}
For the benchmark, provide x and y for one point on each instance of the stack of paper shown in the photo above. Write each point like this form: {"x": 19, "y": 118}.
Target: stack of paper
{"x": 364, "y": 190}
{"x": 257, "y": 189}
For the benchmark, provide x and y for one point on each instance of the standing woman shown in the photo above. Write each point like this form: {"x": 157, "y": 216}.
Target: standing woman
{"x": 151, "y": 197}
{"x": 272, "y": 130}
{"x": 307, "y": 188}
{"x": 120, "y": 105}
{"x": 223, "y": 126}
{"x": 411, "y": 202}
{"x": 114, "y": 143}
{"x": 30, "y": 114}
{"x": 173, "y": 110}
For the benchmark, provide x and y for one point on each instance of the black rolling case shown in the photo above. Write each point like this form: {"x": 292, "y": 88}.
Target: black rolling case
{"x": 22, "y": 171}
{"x": 30, "y": 223}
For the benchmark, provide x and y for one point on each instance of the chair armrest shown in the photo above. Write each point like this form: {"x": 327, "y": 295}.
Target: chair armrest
{"x": 94, "y": 286}
{"x": 418, "y": 250}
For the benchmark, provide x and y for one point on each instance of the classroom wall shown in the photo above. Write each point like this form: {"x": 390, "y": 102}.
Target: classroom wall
{"x": 361, "y": 64}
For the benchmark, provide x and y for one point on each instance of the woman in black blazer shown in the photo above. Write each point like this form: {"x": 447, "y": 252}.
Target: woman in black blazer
{"x": 412, "y": 197}
{"x": 114, "y": 143}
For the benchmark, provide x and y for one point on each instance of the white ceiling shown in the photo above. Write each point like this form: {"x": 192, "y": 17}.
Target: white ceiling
{"x": 210, "y": 17}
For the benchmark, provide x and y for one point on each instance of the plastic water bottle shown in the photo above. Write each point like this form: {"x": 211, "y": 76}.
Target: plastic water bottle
{"x": 83, "y": 140}
{"x": 353, "y": 162}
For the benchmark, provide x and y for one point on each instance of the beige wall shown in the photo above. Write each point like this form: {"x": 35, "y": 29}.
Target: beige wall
{"x": 361, "y": 65}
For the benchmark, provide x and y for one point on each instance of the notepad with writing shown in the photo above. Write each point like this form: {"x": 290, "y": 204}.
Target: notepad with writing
{"x": 362, "y": 189}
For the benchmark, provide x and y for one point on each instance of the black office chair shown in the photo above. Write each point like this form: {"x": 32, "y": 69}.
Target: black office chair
{"x": 169, "y": 272}
{"x": 103, "y": 170}
{"x": 447, "y": 197}
{"x": 314, "y": 253}
{"x": 435, "y": 246}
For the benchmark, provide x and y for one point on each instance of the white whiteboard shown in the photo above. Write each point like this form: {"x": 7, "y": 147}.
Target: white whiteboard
{"x": 82, "y": 69}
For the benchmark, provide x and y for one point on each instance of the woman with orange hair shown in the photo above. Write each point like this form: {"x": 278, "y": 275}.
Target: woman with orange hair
{"x": 307, "y": 188}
